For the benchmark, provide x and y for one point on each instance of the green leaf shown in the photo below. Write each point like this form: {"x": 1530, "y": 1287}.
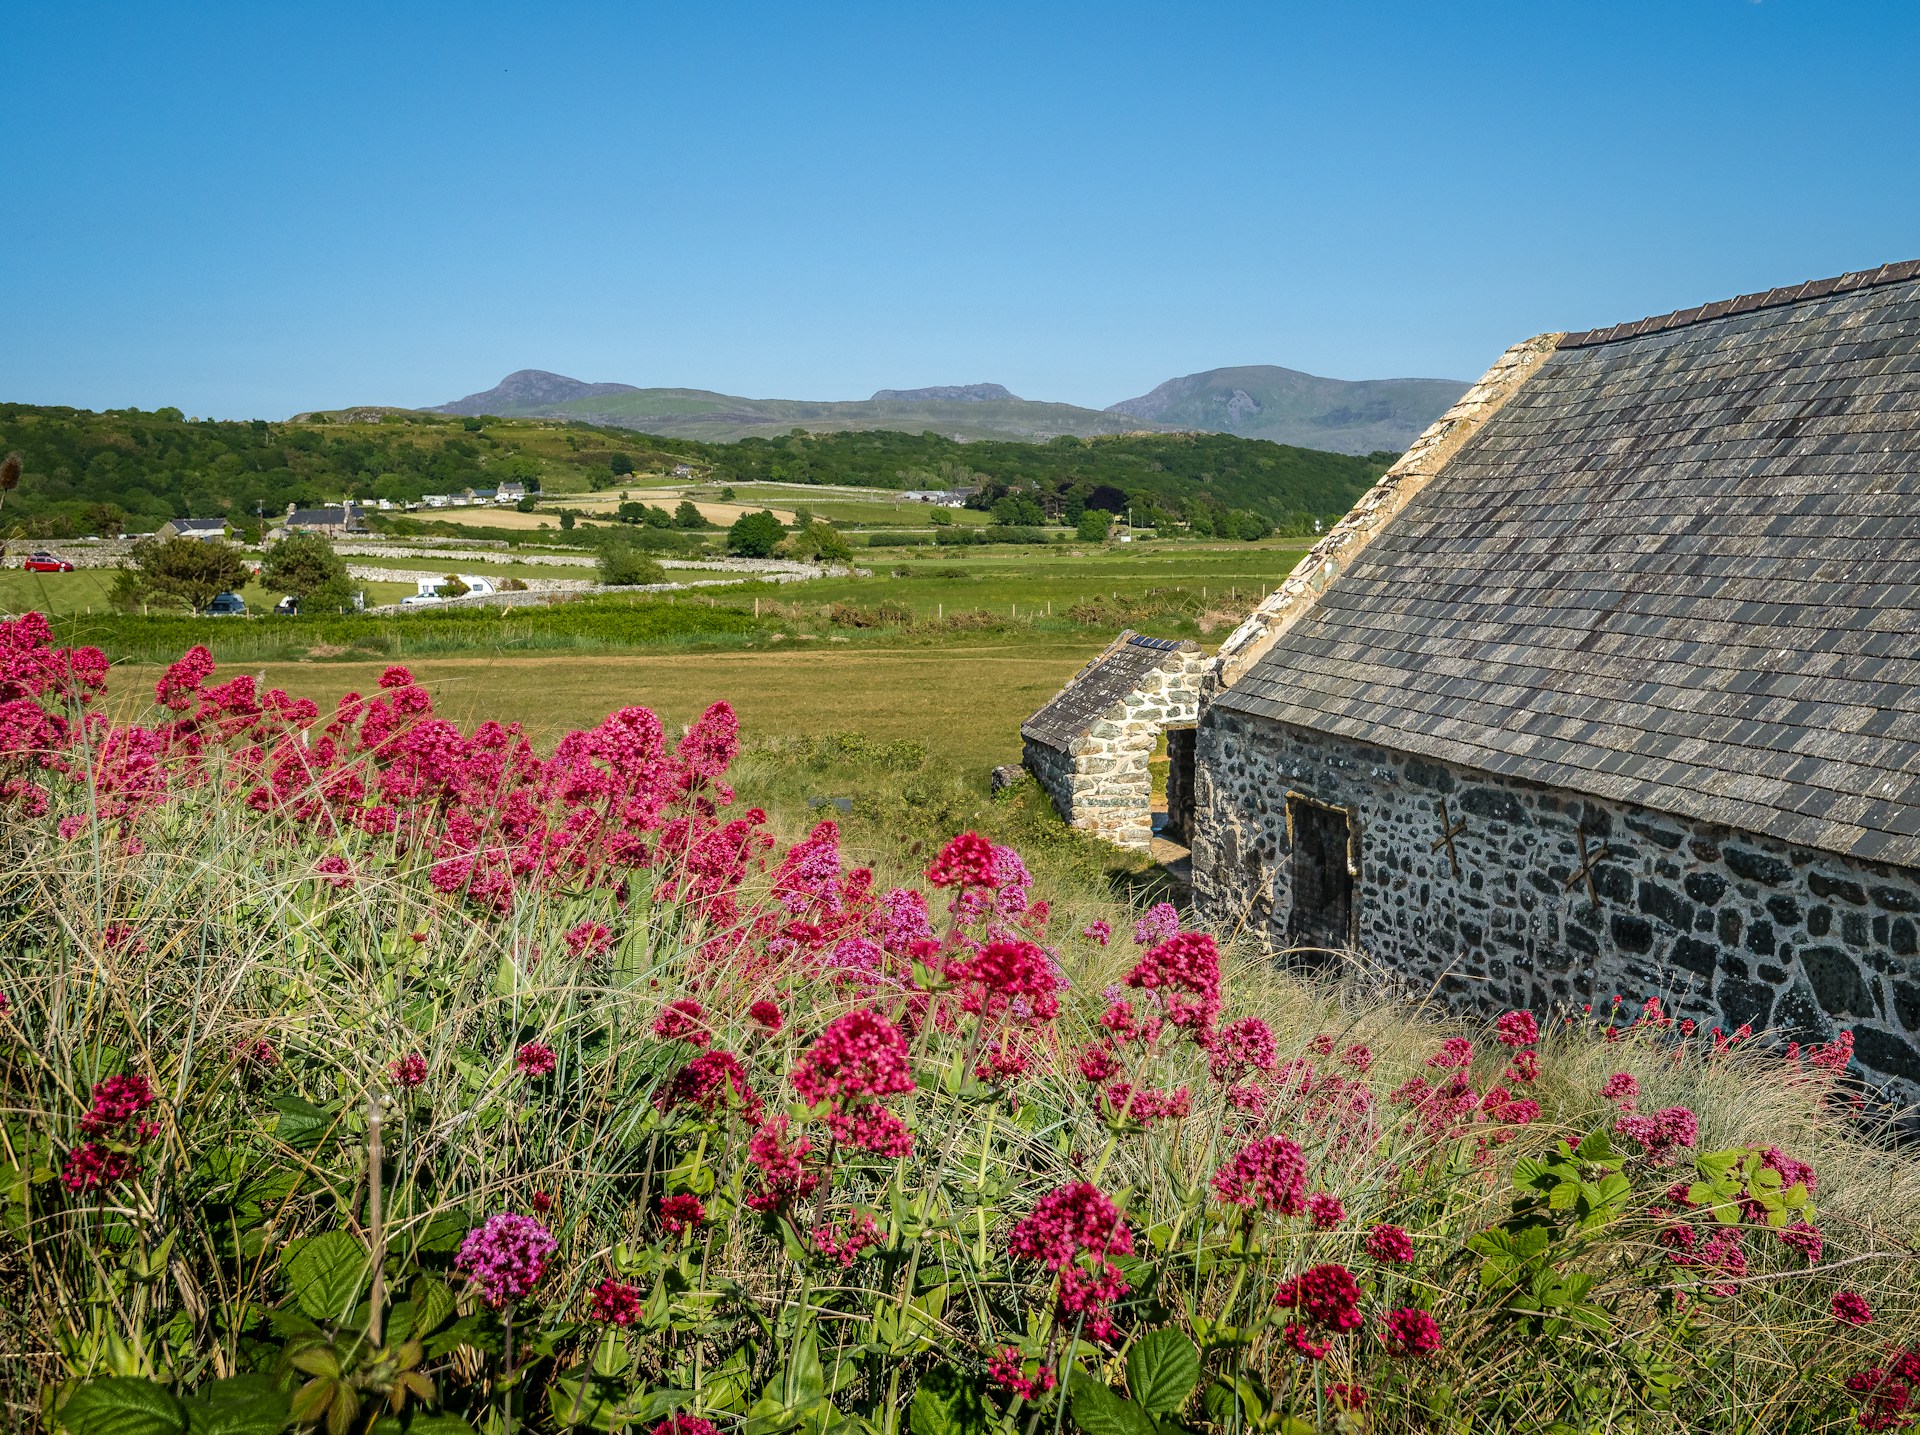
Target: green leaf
{"x": 123, "y": 1405}
{"x": 1098, "y": 1411}
{"x": 434, "y": 1300}
{"x": 244, "y": 1405}
{"x": 1162, "y": 1369}
{"x": 302, "y": 1125}
{"x": 441, "y": 1424}
{"x": 327, "y": 1273}
{"x": 946, "y": 1404}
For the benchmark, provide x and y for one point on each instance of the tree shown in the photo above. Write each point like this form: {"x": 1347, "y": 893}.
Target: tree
{"x": 620, "y": 462}
{"x": 687, "y": 515}
{"x": 525, "y": 505}
{"x": 940, "y": 518}
{"x": 818, "y": 542}
{"x": 624, "y": 566}
{"x": 726, "y": 494}
{"x": 452, "y": 586}
{"x": 566, "y": 523}
{"x": 186, "y": 572}
{"x": 1094, "y": 523}
{"x": 305, "y": 565}
{"x": 753, "y": 535}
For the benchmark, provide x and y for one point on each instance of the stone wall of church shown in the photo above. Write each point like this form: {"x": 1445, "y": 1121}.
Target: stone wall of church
{"x": 1495, "y": 894}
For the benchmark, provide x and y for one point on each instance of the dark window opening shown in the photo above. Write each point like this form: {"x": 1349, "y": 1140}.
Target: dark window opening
{"x": 1179, "y": 828}
{"x": 1322, "y": 915}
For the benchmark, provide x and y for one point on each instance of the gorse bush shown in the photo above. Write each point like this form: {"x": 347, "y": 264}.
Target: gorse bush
{"x": 364, "y": 1073}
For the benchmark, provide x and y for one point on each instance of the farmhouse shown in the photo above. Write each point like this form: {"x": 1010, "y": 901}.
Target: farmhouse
{"x": 1611, "y": 686}
{"x": 204, "y": 529}
{"x": 1091, "y": 744}
{"x": 335, "y": 522}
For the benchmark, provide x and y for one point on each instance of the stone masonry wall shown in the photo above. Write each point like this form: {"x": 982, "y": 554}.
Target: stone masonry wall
{"x": 1101, "y": 784}
{"x": 1724, "y": 927}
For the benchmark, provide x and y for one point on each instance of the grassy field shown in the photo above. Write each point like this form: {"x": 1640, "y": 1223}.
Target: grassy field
{"x": 967, "y": 703}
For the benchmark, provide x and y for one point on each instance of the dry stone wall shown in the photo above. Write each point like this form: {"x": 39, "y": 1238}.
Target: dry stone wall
{"x": 1524, "y": 897}
{"x": 1101, "y": 783}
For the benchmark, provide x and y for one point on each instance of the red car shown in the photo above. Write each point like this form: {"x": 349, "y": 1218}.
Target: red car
{"x": 47, "y": 563}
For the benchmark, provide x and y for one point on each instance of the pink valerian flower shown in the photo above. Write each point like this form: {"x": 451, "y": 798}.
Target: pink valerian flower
{"x": 1184, "y": 971}
{"x": 1326, "y": 1295}
{"x": 681, "y": 1213}
{"x": 965, "y": 862}
{"x": 1009, "y": 1371}
{"x": 1517, "y": 1029}
{"x": 588, "y": 939}
{"x": 1325, "y": 1211}
{"x": 335, "y": 871}
{"x": 71, "y": 826}
{"x": 1524, "y": 1068}
{"x": 1661, "y": 1133}
{"x": 249, "y": 1051}
{"x": 683, "y": 1021}
{"x": 1455, "y": 1054}
{"x": 1241, "y": 1047}
{"x": 685, "y": 1425}
{"x": 1792, "y": 1172}
{"x": 1269, "y": 1173}
{"x": 1161, "y": 923}
{"x": 409, "y": 1071}
{"x": 1321, "y": 1045}
{"x": 767, "y": 1017}
{"x": 1359, "y": 1057}
{"x": 90, "y": 1166}
{"x": 1849, "y": 1309}
{"x": 1389, "y": 1244}
{"x": 1722, "y": 1254}
{"x": 858, "y": 963}
{"x": 712, "y": 1081}
{"x": 506, "y": 1257}
{"x": 615, "y": 1303}
{"x": 1412, "y": 1332}
{"x": 1623, "y": 1089}
{"x": 784, "y": 1177}
{"x": 1006, "y": 978}
{"x": 535, "y": 1060}
{"x": 870, "y": 1126}
{"x": 1803, "y": 1238}
{"x": 901, "y": 920}
{"x": 859, "y": 1055}
{"x": 844, "y": 1250}
{"x": 1100, "y": 933}
{"x": 116, "y": 935}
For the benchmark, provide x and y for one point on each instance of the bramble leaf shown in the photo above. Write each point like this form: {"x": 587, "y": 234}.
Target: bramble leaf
{"x": 1162, "y": 1369}
{"x": 123, "y": 1405}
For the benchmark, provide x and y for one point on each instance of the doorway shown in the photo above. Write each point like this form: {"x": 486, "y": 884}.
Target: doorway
{"x": 1323, "y": 914}
{"x": 1180, "y": 747}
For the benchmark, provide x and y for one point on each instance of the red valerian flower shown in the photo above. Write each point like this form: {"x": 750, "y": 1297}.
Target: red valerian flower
{"x": 335, "y": 871}
{"x": 1849, "y": 1309}
{"x": 767, "y": 1016}
{"x": 1074, "y": 1220}
{"x": 1098, "y": 1065}
{"x": 861, "y": 1233}
{"x": 859, "y": 1055}
{"x": 1359, "y": 1057}
{"x": 1348, "y": 1397}
{"x": 682, "y": 1021}
{"x": 589, "y": 939}
{"x": 1623, "y": 1089}
{"x": 710, "y": 1081}
{"x": 1269, "y": 1173}
{"x": 1242, "y": 1046}
{"x": 1009, "y": 1371}
{"x": 1185, "y": 971}
{"x": 1298, "y": 1338}
{"x": 965, "y": 862}
{"x": 535, "y": 1060}
{"x": 1668, "y": 1128}
{"x": 1884, "y": 1398}
{"x": 1146, "y": 1105}
{"x": 541, "y": 1202}
{"x": 1100, "y": 932}
{"x": 1525, "y": 1067}
{"x": 685, "y": 1425}
{"x": 117, "y": 1103}
{"x": 1455, "y": 1053}
{"x": 409, "y": 1071}
{"x": 615, "y": 1302}
{"x": 1389, "y": 1243}
{"x": 89, "y": 1166}
{"x": 1327, "y": 1295}
{"x": 1412, "y": 1332}
{"x": 681, "y": 1213}
{"x": 1003, "y": 977}
{"x": 784, "y": 1178}
{"x": 1325, "y": 1211}
{"x": 1803, "y": 1238}
{"x": 1517, "y": 1029}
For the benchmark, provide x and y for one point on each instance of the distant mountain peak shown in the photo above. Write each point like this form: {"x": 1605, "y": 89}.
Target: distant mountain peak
{"x": 1288, "y": 406}
{"x": 529, "y": 388}
{"x": 959, "y": 393}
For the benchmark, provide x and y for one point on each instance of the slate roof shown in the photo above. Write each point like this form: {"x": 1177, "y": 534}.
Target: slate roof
{"x": 321, "y": 517}
{"x": 1121, "y": 668}
{"x": 1679, "y": 568}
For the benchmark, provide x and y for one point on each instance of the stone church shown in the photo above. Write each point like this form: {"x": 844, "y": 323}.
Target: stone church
{"x": 1611, "y": 685}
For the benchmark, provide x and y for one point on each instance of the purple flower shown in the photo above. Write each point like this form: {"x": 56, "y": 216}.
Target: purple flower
{"x": 1161, "y": 924}
{"x": 506, "y": 1257}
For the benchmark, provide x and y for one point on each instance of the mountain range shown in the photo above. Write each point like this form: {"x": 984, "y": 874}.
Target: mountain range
{"x": 1256, "y": 401}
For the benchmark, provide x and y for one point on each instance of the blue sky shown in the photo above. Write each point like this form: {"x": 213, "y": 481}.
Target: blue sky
{"x": 247, "y": 210}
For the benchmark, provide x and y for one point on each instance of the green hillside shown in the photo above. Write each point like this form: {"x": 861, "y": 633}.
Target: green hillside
{"x": 131, "y": 470}
{"x": 1287, "y": 406}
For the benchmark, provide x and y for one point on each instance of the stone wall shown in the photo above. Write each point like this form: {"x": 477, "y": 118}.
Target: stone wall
{"x": 1101, "y": 783}
{"x": 1496, "y": 905}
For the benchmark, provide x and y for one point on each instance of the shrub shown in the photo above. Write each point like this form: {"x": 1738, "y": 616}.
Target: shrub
{"x": 670, "y": 1122}
{"x": 305, "y": 566}
{"x": 179, "y": 572}
{"x": 753, "y": 535}
{"x": 622, "y": 566}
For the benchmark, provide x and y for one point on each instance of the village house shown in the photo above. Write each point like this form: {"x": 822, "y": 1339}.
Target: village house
{"x": 1610, "y": 686}
{"x": 203, "y": 529}
{"x": 337, "y": 521}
